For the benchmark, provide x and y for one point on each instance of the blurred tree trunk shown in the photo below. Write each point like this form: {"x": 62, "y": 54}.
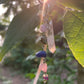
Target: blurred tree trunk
{"x": 80, "y": 74}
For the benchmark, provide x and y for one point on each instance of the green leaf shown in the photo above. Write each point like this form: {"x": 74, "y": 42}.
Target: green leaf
{"x": 30, "y": 75}
{"x": 21, "y": 27}
{"x": 76, "y": 4}
{"x": 74, "y": 33}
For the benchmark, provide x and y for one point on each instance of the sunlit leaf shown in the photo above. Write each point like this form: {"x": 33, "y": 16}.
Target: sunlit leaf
{"x": 74, "y": 32}
{"x": 76, "y": 4}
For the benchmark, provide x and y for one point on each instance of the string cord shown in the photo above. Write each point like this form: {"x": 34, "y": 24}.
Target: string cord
{"x": 39, "y": 71}
{"x": 43, "y": 20}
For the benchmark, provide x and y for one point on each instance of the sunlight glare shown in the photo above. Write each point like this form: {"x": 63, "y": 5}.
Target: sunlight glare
{"x": 45, "y": 1}
{"x": 43, "y": 9}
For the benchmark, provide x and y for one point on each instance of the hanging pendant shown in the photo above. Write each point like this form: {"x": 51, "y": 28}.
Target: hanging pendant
{"x": 41, "y": 54}
{"x": 45, "y": 78}
{"x": 43, "y": 67}
{"x": 43, "y": 28}
{"x": 50, "y": 38}
{"x": 47, "y": 29}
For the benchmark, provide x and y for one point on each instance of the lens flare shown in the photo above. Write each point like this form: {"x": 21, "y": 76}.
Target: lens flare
{"x": 45, "y": 1}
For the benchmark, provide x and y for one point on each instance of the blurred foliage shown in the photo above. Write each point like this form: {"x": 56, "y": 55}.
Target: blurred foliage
{"x": 30, "y": 75}
{"x": 19, "y": 58}
{"x": 61, "y": 65}
{"x": 15, "y": 6}
{"x": 22, "y": 26}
